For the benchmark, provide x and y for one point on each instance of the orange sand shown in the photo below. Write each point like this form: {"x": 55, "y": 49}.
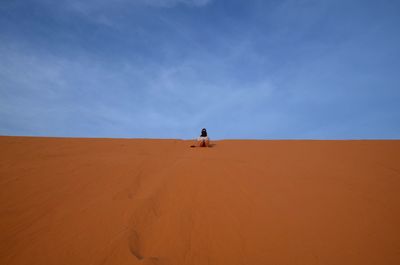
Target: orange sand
{"x": 123, "y": 201}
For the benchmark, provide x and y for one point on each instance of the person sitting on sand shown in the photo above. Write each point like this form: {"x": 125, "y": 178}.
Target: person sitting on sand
{"x": 203, "y": 140}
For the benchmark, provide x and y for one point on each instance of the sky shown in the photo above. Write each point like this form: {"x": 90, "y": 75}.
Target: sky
{"x": 243, "y": 69}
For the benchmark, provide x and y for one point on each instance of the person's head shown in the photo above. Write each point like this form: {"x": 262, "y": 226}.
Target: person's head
{"x": 203, "y": 130}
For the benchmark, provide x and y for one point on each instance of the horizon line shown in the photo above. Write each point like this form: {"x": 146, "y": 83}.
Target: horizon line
{"x": 217, "y": 139}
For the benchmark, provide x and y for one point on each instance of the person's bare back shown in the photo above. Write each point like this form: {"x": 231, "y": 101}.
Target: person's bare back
{"x": 203, "y": 140}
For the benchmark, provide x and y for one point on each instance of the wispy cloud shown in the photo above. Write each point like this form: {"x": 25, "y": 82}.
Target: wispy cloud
{"x": 135, "y": 100}
{"x": 167, "y": 68}
{"x": 104, "y": 6}
{"x": 170, "y": 3}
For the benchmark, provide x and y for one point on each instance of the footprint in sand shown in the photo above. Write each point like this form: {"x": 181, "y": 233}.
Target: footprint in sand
{"x": 135, "y": 249}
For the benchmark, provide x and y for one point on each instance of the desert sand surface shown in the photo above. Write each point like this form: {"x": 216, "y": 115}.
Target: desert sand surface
{"x": 140, "y": 201}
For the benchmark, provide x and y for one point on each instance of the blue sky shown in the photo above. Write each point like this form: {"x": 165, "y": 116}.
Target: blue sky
{"x": 287, "y": 69}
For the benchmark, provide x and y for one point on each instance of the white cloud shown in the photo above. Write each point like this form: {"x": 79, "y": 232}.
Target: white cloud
{"x": 170, "y": 3}
{"x": 49, "y": 93}
{"x": 107, "y": 12}
{"x": 88, "y": 6}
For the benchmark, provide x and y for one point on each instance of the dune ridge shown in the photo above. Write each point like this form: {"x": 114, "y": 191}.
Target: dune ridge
{"x": 142, "y": 201}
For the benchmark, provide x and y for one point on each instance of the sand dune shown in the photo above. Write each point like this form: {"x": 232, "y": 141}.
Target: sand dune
{"x": 123, "y": 201}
